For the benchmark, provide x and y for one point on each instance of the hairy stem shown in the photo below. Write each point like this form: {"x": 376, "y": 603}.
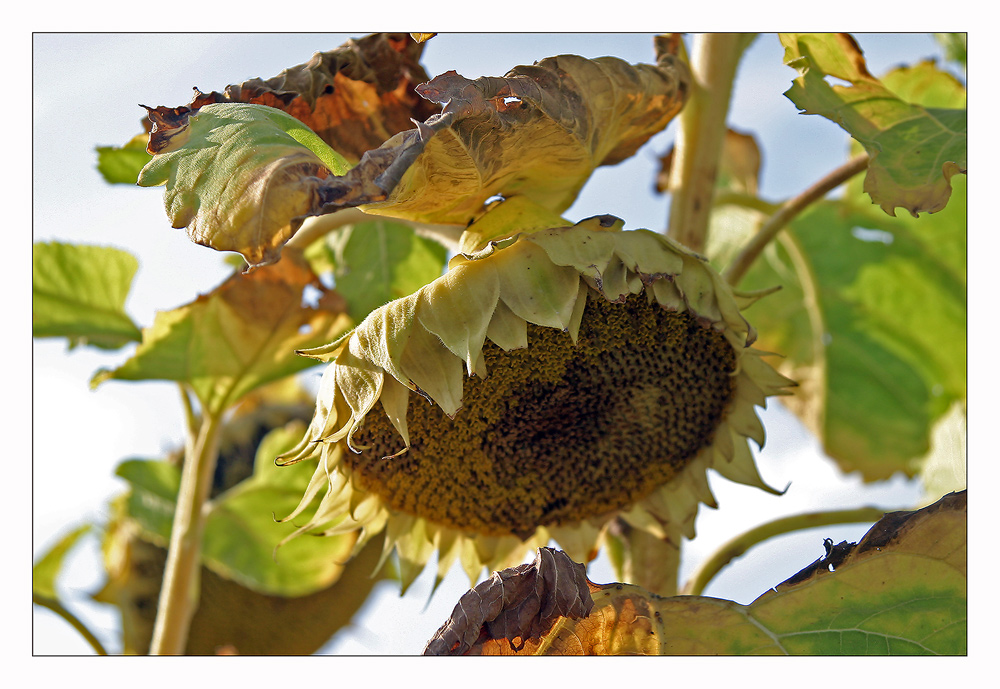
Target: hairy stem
{"x": 788, "y": 211}
{"x": 56, "y": 607}
{"x": 742, "y": 543}
{"x": 179, "y": 595}
{"x": 701, "y": 131}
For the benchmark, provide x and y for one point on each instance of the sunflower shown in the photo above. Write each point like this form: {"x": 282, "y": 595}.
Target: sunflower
{"x": 550, "y": 382}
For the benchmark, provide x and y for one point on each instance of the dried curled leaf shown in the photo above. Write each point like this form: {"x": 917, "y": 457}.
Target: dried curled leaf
{"x": 539, "y": 131}
{"x": 515, "y": 605}
{"x": 354, "y": 97}
{"x": 900, "y": 591}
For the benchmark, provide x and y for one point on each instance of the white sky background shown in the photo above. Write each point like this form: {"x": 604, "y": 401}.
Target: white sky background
{"x": 86, "y": 92}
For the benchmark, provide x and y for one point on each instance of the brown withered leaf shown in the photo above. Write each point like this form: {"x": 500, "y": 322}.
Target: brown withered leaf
{"x": 354, "y": 97}
{"x": 739, "y": 164}
{"x": 539, "y": 132}
{"x": 516, "y": 605}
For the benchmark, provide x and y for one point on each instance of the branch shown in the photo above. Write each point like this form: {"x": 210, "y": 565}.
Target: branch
{"x": 318, "y": 226}
{"x": 57, "y": 607}
{"x": 741, "y": 264}
{"x": 179, "y": 595}
{"x": 742, "y": 543}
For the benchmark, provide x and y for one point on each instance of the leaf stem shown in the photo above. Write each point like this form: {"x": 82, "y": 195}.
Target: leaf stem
{"x": 788, "y": 211}
{"x": 190, "y": 417}
{"x": 321, "y": 225}
{"x": 179, "y": 595}
{"x": 56, "y": 607}
{"x": 742, "y": 543}
{"x": 701, "y": 131}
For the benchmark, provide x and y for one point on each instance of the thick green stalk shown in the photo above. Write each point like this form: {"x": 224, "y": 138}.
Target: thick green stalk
{"x": 742, "y": 543}
{"x": 701, "y": 131}
{"x": 179, "y": 594}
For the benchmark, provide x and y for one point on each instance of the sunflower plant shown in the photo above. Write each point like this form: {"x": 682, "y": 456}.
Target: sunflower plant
{"x": 501, "y": 381}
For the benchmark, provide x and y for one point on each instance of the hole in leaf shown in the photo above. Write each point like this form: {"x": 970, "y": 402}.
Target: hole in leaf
{"x": 836, "y": 81}
{"x": 868, "y": 235}
{"x": 311, "y": 296}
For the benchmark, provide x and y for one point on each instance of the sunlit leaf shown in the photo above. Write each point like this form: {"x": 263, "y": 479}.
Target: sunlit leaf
{"x": 915, "y": 150}
{"x": 924, "y": 84}
{"x": 901, "y": 590}
{"x": 239, "y": 336}
{"x": 121, "y": 165}
{"x": 237, "y": 174}
{"x": 79, "y": 292}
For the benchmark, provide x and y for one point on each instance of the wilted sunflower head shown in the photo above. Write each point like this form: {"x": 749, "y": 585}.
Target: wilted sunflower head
{"x": 562, "y": 378}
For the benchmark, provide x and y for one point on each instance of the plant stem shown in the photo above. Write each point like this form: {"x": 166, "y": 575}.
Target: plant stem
{"x": 190, "y": 417}
{"x": 788, "y": 211}
{"x": 742, "y": 543}
{"x": 56, "y": 607}
{"x": 322, "y": 225}
{"x": 179, "y": 595}
{"x": 701, "y": 131}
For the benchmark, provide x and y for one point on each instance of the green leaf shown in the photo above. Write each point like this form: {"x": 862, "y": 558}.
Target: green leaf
{"x": 79, "y": 292}
{"x": 121, "y": 165}
{"x": 915, "y": 151}
{"x": 46, "y": 569}
{"x": 238, "y": 337}
{"x": 378, "y": 261}
{"x": 925, "y": 85}
{"x": 153, "y": 497}
{"x": 956, "y": 46}
{"x": 241, "y": 533}
{"x": 238, "y": 174}
{"x": 871, "y": 320}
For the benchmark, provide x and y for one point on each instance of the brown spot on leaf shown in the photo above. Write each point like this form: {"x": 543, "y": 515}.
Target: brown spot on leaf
{"x": 169, "y": 128}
